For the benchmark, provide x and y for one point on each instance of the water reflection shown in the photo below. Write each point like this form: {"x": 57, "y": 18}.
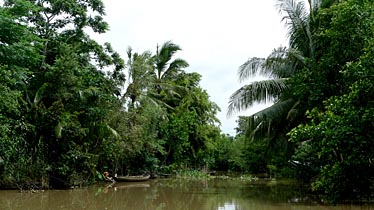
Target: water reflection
{"x": 171, "y": 194}
{"x": 228, "y": 206}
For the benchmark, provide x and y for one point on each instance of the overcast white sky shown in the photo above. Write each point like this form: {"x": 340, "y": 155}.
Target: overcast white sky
{"x": 216, "y": 36}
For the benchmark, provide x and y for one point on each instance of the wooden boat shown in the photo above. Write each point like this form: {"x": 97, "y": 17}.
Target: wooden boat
{"x": 132, "y": 178}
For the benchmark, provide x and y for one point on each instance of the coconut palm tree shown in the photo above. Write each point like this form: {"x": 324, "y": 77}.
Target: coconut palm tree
{"x": 150, "y": 76}
{"x": 139, "y": 67}
{"x": 166, "y": 69}
{"x": 164, "y": 66}
{"x": 278, "y": 67}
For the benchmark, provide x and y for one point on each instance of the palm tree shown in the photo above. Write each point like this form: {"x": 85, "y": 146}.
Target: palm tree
{"x": 166, "y": 69}
{"x": 139, "y": 67}
{"x": 151, "y": 87}
{"x": 149, "y": 76}
{"x": 279, "y": 67}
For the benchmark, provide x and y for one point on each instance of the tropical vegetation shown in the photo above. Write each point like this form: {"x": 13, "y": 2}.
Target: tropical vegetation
{"x": 71, "y": 108}
{"x": 320, "y": 89}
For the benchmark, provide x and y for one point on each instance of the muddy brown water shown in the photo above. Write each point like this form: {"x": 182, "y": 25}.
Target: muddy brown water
{"x": 172, "y": 194}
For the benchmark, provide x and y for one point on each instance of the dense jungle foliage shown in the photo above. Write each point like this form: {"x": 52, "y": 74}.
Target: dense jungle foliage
{"x": 71, "y": 108}
{"x": 321, "y": 85}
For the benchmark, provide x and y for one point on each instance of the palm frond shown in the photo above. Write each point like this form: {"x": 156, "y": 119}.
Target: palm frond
{"x": 174, "y": 67}
{"x": 153, "y": 99}
{"x": 275, "y": 112}
{"x": 279, "y": 53}
{"x": 283, "y": 62}
{"x": 261, "y": 122}
{"x": 297, "y": 22}
{"x": 256, "y": 131}
{"x": 278, "y": 64}
{"x": 168, "y": 49}
{"x": 178, "y": 63}
{"x": 259, "y": 91}
{"x": 250, "y": 68}
{"x": 297, "y": 55}
{"x": 164, "y": 55}
{"x": 179, "y": 90}
{"x": 314, "y": 5}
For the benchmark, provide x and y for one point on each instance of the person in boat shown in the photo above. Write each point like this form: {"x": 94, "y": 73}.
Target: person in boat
{"x": 108, "y": 177}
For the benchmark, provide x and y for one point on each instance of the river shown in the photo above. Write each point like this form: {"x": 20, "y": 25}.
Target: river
{"x": 172, "y": 194}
